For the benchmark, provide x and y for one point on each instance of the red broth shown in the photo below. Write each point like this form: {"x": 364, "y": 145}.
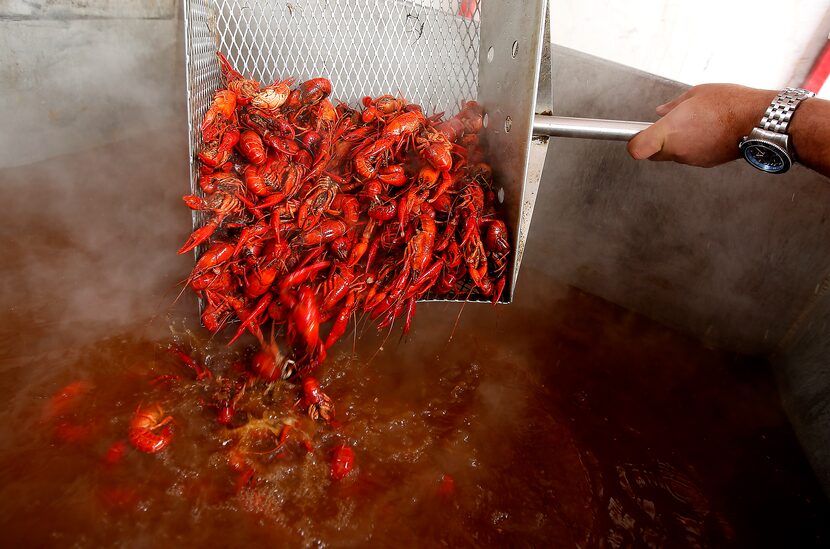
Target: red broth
{"x": 559, "y": 420}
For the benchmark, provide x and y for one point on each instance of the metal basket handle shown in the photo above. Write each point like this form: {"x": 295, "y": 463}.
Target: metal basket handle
{"x": 586, "y": 128}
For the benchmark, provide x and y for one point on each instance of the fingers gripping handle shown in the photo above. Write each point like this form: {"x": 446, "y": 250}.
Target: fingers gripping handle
{"x": 586, "y": 128}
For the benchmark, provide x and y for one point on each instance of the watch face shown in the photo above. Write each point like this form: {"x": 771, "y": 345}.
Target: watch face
{"x": 766, "y": 157}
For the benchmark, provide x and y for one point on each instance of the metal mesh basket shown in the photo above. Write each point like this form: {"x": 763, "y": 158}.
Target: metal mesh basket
{"x": 427, "y": 50}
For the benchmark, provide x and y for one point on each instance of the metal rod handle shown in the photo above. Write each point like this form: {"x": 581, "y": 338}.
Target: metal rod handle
{"x": 586, "y": 128}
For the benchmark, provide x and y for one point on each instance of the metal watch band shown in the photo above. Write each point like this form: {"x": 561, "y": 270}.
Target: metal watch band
{"x": 781, "y": 110}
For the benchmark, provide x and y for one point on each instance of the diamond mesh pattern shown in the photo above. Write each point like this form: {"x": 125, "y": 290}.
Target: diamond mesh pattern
{"x": 425, "y": 50}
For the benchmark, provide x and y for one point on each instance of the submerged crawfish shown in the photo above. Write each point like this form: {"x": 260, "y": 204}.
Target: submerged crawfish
{"x": 318, "y": 405}
{"x": 146, "y": 421}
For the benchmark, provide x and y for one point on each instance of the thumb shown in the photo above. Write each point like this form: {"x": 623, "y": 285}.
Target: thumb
{"x": 648, "y": 142}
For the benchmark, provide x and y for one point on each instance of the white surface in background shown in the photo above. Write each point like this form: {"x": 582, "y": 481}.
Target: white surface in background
{"x": 763, "y": 43}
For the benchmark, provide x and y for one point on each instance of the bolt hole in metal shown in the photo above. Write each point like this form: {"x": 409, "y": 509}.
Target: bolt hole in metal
{"x": 508, "y": 123}
{"x": 490, "y": 54}
{"x": 514, "y": 50}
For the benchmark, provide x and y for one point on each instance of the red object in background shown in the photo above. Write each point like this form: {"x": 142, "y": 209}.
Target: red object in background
{"x": 467, "y": 8}
{"x": 342, "y": 462}
{"x": 820, "y": 71}
{"x": 446, "y": 486}
{"x": 115, "y": 453}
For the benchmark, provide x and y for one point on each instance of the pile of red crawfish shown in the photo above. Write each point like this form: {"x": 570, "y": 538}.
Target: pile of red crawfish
{"x": 315, "y": 213}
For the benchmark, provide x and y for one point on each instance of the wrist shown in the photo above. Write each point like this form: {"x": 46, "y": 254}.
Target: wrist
{"x": 769, "y": 146}
{"x": 799, "y": 129}
{"x": 751, "y": 108}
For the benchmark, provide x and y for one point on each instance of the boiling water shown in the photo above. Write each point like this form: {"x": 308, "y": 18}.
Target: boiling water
{"x": 561, "y": 419}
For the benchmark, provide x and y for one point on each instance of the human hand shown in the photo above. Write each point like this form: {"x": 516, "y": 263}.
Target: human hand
{"x": 702, "y": 127}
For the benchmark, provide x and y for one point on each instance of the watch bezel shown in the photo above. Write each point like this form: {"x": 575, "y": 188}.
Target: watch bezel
{"x": 749, "y": 141}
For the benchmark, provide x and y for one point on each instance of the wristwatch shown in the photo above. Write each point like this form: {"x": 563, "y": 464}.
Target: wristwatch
{"x": 768, "y": 146}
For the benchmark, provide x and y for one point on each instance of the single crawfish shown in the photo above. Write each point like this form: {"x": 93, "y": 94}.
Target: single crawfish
{"x": 341, "y": 246}
{"x": 326, "y": 115}
{"x": 404, "y": 125}
{"x": 419, "y": 249}
{"x": 362, "y": 244}
{"x": 212, "y": 156}
{"x": 476, "y": 259}
{"x": 381, "y": 108}
{"x": 316, "y": 201}
{"x": 497, "y": 244}
{"x": 392, "y": 174}
{"x": 471, "y": 207}
{"x": 498, "y": 247}
{"x": 346, "y": 207}
{"x": 317, "y": 404}
{"x": 435, "y": 148}
{"x": 218, "y": 253}
{"x": 227, "y": 398}
{"x": 366, "y": 158}
{"x": 219, "y": 115}
{"x": 146, "y": 420}
{"x": 268, "y": 362}
{"x": 258, "y": 279}
{"x": 342, "y": 462}
{"x": 251, "y": 147}
{"x": 200, "y": 371}
{"x": 315, "y": 90}
{"x": 221, "y": 281}
{"x": 220, "y": 306}
{"x": 389, "y": 105}
{"x": 256, "y": 119}
{"x": 469, "y": 120}
{"x": 282, "y": 181}
{"x": 337, "y": 286}
{"x": 322, "y": 233}
{"x": 394, "y": 134}
{"x": 304, "y": 324}
{"x": 220, "y": 181}
{"x": 243, "y": 88}
{"x": 272, "y": 97}
{"x": 383, "y": 209}
{"x": 341, "y": 321}
{"x": 221, "y": 204}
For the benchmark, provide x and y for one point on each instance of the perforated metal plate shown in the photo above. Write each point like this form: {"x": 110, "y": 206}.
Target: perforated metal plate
{"x": 426, "y": 50}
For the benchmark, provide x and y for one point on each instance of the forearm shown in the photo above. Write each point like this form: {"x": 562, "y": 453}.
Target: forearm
{"x": 810, "y": 134}
{"x": 703, "y": 126}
